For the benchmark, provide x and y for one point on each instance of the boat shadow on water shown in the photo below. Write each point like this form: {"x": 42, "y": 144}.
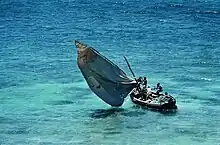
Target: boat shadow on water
{"x": 140, "y": 110}
{"x": 103, "y": 113}
{"x": 112, "y": 112}
{"x": 164, "y": 112}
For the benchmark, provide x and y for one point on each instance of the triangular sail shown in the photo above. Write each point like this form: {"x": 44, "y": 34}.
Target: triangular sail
{"x": 104, "y": 78}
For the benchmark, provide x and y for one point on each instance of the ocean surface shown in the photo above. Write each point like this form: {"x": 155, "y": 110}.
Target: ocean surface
{"x": 44, "y": 99}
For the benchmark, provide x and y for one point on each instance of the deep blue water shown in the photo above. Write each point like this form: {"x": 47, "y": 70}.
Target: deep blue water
{"x": 45, "y": 100}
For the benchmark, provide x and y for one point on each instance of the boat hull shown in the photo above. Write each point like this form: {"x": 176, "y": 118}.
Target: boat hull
{"x": 147, "y": 104}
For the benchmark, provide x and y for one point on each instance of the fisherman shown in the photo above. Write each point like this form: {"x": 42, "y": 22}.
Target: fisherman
{"x": 145, "y": 82}
{"x": 164, "y": 97}
{"x": 143, "y": 94}
{"x": 149, "y": 91}
{"x": 158, "y": 87}
{"x": 138, "y": 87}
{"x": 139, "y": 82}
{"x": 158, "y": 93}
{"x": 139, "y": 79}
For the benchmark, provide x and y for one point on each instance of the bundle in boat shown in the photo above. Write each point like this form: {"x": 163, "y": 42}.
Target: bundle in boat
{"x": 105, "y": 79}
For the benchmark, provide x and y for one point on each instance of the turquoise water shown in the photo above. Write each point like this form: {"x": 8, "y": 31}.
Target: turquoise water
{"x": 45, "y": 100}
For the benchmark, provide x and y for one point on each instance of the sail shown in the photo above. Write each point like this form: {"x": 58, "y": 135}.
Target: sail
{"x": 104, "y": 78}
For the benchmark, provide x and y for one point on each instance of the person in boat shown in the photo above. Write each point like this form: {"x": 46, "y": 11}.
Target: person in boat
{"x": 139, "y": 79}
{"x": 139, "y": 82}
{"x": 165, "y": 97}
{"x": 144, "y": 94}
{"x": 158, "y": 87}
{"x": 169, "y": 98}
{"x": 138, "y": 87}
{"x": 157, "y": 94}
{"x": 149, "y": 91}
{"x": 145, "y": 82}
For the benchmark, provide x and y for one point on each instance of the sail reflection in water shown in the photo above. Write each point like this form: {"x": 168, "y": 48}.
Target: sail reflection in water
{"x": 104, "y": 78}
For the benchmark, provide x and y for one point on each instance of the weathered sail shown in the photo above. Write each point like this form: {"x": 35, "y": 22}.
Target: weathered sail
{"x": 104, "y": 78}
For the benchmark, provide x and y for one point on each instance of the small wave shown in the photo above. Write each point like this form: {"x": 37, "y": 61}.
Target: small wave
{"x": 112, "y": 132}
{"x": 62, "y": 102}
{"x": 9, "y": 19}
{"x": 7, "y": 84}
{"x": 211, "y": 12}
{"x": 182, "y": 130}
{"x": 132, "y": 113}
{"x": 17, "y": 131}
{"x": 134, "y": 127}
{"x": 208, "y": 12}
{"x": 206, "y": 79}
{"x": 176, "y": 5}
{"x": 187, "y": 79}
{"x": 212, "y": 101}
{"x": 48, "y": 27}
{"x": 4, "y": 120}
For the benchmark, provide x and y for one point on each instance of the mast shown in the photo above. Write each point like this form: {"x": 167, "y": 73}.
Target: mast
{"x": 130, "y": 68}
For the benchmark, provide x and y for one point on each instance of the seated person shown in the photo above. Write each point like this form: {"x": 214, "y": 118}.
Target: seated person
{"x": 139, "y": 79}
{"x": 158, "y": 87}
{"x": 145, "y": 82}
{"x": 164, "y": 97}
{"x": 149, "y": 97}
{"x": 144, "y": 96}
{"x": 138, "y": 87}
{"x": 149, "y": 91}
{"x": 157, "y": 94}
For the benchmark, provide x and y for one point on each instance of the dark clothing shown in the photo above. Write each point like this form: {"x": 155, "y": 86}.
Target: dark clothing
{"x": 138, "y": 87}
{"x": 144, "y": 96}
{"x": 145, "y": 83}
{"x": 160, "y": 89}
{"x": 139, "y": 79}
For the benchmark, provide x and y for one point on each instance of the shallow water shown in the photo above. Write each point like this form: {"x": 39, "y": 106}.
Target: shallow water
{"x": 45, "y": 100}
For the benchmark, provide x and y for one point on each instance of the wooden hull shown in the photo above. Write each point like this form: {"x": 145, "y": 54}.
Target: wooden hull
{"x": 165, "y": 106}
